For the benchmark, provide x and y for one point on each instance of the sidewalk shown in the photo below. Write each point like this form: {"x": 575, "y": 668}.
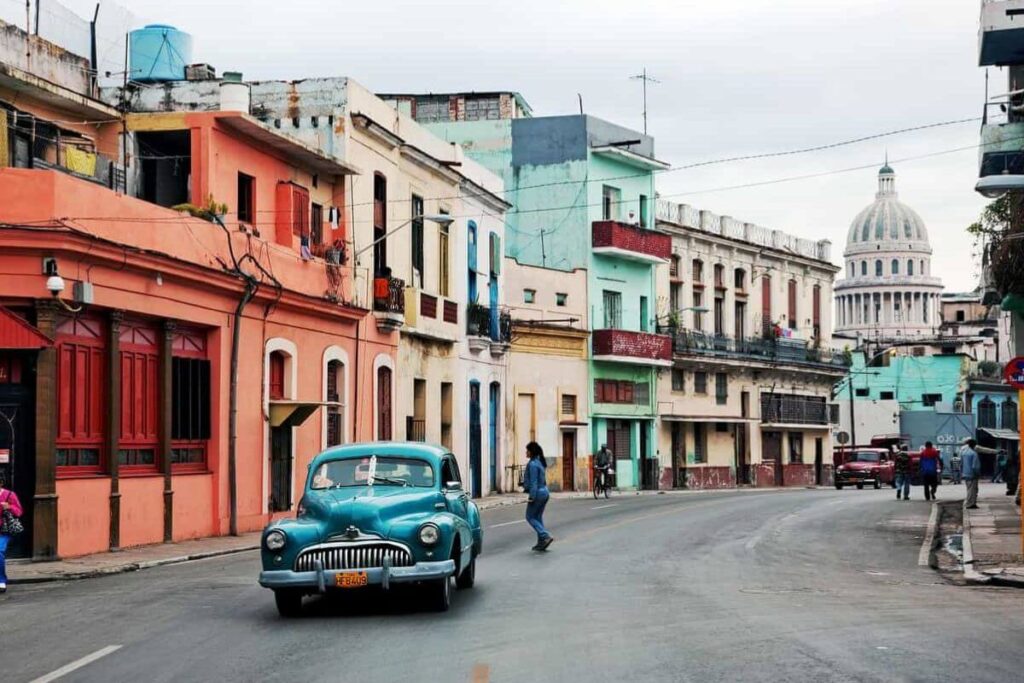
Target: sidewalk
{"x": 130, "y": 560}
{"x": 144, "y": 557}
{"x": 992, "y": 539}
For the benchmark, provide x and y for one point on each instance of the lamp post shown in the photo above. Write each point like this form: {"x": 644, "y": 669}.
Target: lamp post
{"x": 439, "y": 218}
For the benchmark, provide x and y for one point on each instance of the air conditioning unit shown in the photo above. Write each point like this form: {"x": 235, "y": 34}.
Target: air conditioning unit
{"x": 200, "y": 72}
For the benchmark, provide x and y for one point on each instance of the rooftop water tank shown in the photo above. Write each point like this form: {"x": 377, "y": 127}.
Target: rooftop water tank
{"x": 159, "y": 52}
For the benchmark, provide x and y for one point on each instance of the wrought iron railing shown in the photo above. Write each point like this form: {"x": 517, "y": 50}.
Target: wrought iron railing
{"x": 415, "y": 429}
{"x": 483, "y": 321}
{"x": 389, "y": 295}
{"x": 777, "y": 350}
{"x": 793, "y": 409}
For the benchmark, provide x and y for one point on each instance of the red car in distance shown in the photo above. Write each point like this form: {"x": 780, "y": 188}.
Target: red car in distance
{"x": 864, "y": 465}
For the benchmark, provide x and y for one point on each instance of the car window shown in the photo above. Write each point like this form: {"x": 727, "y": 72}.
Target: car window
{"x": 866, "y": 456}
{"x": 383, "y": 470}
{"x": 447, "y": 473}
{"x": 455, "y": 469}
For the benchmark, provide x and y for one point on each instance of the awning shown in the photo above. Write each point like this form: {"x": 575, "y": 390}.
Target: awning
{"x": 1006, "y": 434}
{"x": 16, "y": 333}
{"x": 292, "y": 413}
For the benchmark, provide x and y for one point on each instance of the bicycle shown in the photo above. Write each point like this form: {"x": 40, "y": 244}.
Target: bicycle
{"x": 602, "y": 481}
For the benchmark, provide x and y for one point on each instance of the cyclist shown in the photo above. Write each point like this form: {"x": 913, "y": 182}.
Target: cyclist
{"x": 602, "y": 463}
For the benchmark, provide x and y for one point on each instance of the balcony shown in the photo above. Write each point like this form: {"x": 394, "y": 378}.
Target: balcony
{"x": 1001, "y": 155}
{"x": 389, "y": 303}
{"x": 630, "y": 242}
{"x": 430, "y": 316}
{"x": 1001, "y": 35}
{"x": 627, "y": 346}
{"x": 488, "y": 327}
{"x": 689, "y": 343}
{"x": 791, "y": 409}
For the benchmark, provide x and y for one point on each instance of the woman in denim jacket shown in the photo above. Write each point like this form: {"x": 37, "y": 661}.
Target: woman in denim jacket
{"x": 535, "y": 483}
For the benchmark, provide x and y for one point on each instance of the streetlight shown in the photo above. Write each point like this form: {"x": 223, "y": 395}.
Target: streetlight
{"x": 439, "y": 218}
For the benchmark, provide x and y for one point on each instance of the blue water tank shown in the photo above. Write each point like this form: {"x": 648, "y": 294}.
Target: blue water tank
{"x": 158, "y": 52}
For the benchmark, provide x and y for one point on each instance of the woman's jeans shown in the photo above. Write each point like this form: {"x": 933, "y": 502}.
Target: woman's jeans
{"x": 903, "y": 485}
{"x": 535, "y": 514}
{"x": 4, "y": 539}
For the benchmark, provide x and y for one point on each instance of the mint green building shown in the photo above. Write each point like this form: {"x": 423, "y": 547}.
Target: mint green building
{"x": 583, "y": 196}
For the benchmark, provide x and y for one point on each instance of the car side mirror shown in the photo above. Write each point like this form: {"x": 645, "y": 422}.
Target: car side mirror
{"x": 453, "y": 486}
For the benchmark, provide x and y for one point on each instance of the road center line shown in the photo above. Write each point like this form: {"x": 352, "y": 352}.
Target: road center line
{"x": 77, "y": 664}
{"x": 602, "y": 507}
{"x": 518, "y": 521}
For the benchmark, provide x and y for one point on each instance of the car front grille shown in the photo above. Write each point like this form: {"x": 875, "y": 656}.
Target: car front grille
{"x": 339, "y": 556}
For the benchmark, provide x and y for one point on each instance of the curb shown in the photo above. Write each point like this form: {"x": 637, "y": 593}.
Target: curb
{"x": 129, "y": 567}
{"x": 926, "y": 558}
{"x": 970, "y": 575}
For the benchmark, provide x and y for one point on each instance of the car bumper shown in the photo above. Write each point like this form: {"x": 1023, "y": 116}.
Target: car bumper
{"x": 320, "y": 580}
{"x": 847, "y": 480}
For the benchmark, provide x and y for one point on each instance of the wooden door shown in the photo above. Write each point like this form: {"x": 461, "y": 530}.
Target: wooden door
{"x": 280, "y": 468}
{"x": 569, "y": 460}
{"x": 771, "y": 452}
{"x": 17, "y": 443}
{"x": 384, "y": 404}
{"x": 474, "y": 439}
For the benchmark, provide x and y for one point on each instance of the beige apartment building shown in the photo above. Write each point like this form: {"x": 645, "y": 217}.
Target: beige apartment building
{"x": 746, "y": 401}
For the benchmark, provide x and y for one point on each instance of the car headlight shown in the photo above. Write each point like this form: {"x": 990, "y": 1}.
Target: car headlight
{"x": 429, "y": 534}
{"x": 275, "y": 540}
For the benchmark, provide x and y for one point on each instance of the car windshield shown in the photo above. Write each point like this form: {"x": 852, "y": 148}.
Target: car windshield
{"x": 866, "y": 456}
{"x": 373, "y": 470}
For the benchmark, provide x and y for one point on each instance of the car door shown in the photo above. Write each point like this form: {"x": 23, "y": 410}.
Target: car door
{"x": 456, "y": 498}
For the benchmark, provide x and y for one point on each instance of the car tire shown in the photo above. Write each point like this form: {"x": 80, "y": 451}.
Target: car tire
{"x": 289, "y": 603}
{"x": 468, "y": 576}
{"x": 440, "y": 594}
{"x": 860, "y": 487}
{"x": 839, "y": 487}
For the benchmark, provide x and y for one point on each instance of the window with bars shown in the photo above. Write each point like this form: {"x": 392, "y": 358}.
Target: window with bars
{"x": 1009, "y": 414}
{"x": 700, "y": 442}
{"x": 678, "y": 380}
{"x": 569, "y": 406}
{"x": 700, "y": 382}
{"x": 986, "y": 413}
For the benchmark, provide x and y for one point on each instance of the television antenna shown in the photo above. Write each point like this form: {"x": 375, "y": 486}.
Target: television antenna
{"x": 645, "y": 79}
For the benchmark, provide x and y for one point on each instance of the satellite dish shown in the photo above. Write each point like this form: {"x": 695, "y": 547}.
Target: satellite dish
{"x": 842, "y": 437}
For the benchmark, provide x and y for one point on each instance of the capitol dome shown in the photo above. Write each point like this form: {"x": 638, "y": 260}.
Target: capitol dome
{"x": 888, "y": 291}
{"x": 887, "y": 219}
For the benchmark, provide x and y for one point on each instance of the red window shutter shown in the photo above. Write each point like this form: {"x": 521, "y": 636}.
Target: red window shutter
{"x": 276, "y": 376}
{"x": 626, "y": 392}
{"x": 300, "y": 211}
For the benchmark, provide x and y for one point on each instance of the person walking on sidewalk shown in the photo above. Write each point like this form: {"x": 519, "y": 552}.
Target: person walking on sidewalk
{"x": 930, "y": 466}
{"x": 535, "y": 483}
{"x": 9, "y": 507}
{"x": 1001, "y": 461}
{"x": 901, "y": 467}
{"x": 972, "y": 470}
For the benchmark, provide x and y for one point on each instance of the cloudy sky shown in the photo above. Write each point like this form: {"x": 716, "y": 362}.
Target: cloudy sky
{"x": 737, "y": 77}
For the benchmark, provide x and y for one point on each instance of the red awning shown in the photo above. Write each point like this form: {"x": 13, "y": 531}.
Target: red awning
{"x": 16, "y": 333}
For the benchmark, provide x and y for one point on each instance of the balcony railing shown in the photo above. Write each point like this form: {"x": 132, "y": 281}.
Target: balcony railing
{"x": 415, "y": 429}
{"x": 492, "y": 323}
{"x": 792, "y": 409}
{"x": 793, "y": 351}
{"x": 389, "y": 295}
{"x": 629, "y": 344}
{"x": 631, "y": 242}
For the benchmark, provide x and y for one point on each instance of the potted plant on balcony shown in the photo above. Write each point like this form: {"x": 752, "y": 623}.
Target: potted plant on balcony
{"x": 478, "y": 326}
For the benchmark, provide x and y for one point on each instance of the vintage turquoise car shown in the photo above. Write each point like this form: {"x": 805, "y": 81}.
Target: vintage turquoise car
{"x": 375, "y": 514}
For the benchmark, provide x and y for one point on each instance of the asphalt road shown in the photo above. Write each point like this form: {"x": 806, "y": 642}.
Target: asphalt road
{"x": 803, "y": 585}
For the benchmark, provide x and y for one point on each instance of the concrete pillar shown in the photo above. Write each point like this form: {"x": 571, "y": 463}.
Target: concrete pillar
{"x": 44, "y": 502}
{"x": 113, "y": 424}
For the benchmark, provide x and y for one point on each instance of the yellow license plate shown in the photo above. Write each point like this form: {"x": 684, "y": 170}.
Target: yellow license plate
{"x": 350, "y": 580}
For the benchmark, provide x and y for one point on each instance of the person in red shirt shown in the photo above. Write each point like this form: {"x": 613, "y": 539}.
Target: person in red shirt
{"x": 930, "y": 468}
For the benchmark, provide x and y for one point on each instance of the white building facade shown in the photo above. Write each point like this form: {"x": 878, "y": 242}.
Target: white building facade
{"x": 888, "y": 291}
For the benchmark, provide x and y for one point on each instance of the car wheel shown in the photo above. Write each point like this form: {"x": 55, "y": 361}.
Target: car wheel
{"x": 860, "y": 487}
{"x": 440, "y": 594}
{"x": 878, "y": 484}
{"x": 289, "y": 603}
{"x": 839, "y": 487}
{"x": 468, "y": 576}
